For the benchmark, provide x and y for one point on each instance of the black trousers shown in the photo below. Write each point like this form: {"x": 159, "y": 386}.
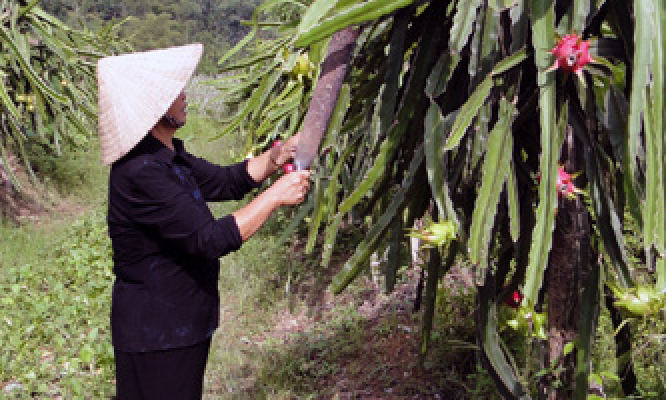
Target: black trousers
{"x": 162, "y": 375}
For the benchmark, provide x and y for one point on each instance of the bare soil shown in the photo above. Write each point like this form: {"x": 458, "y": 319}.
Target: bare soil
{"x": 29, "y": 203}
{"x": 16, "y": 204}
{"x": 383, "y": 362}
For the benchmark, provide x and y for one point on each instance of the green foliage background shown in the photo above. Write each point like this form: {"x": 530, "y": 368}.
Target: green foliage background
{"x": 47, "y": 86}
{"x": 156, "y": 23}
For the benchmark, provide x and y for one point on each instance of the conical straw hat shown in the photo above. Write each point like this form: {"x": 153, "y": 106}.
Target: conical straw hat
{"x": 135, "y": 90}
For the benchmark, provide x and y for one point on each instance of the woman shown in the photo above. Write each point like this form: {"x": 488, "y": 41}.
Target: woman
{"x": 166, "y": 243}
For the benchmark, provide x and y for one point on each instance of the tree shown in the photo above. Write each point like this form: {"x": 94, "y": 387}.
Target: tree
{"x": 47, "y": 84}
{"x": 153, "y": 24}
{"x": 494, "y": 113}
{"x": 155, "y": 31}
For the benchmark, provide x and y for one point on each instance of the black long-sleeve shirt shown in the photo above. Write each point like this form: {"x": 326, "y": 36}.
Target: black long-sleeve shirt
{"x": 166, "y": 244}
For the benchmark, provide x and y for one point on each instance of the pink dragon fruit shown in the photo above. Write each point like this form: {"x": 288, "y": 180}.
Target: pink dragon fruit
{"x": 572, "y": 53}
{"x": 565, "y": 185}
{"x": 514, "y": 299}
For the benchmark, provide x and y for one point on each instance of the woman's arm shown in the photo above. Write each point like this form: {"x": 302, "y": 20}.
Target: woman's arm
{"x": 289, "y": 190}
{"x": 219, "y": 183}
{"x": 156, "y": 199}
{"x": 261, "y": 166}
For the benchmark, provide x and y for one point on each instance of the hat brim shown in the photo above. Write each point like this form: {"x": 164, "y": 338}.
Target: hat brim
{"x": 135, "y": 90}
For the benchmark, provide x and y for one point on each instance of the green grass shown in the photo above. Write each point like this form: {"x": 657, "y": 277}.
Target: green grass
{"x": 55, "y": 313}
{"x": 21, "y": 245}
{"x": 55, "y": 279}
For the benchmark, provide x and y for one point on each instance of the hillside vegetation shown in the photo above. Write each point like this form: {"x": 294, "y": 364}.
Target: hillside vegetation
{"x": 154, "y": 24}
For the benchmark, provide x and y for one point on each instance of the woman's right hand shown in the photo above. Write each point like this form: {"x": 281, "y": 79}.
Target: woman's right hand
{"x": 291, "y": 188}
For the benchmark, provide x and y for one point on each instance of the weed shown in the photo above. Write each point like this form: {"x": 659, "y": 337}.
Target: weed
{"x": 55, "y": 317}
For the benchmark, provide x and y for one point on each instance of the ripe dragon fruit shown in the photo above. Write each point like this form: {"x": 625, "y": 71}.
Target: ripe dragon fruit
{"x": 514, "y": 299}
{"x": 572, "y": 53}
{"x": 565, "y": 185}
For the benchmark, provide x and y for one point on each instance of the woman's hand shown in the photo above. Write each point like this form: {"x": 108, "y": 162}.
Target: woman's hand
{"x": 265, "y": 164}
{"x": 281, "y": 153}
{"x": 291, "y": 188}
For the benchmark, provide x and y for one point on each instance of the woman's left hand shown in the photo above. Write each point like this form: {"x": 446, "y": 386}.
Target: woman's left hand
{"x": 281, "y": 153}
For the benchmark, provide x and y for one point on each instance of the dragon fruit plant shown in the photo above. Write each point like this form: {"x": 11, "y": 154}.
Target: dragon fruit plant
{"x": 456, "y": 106}
{"x": 529, "y": 323}
{"x": 639, "y": 301}
{"x": 437, "y": 234}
